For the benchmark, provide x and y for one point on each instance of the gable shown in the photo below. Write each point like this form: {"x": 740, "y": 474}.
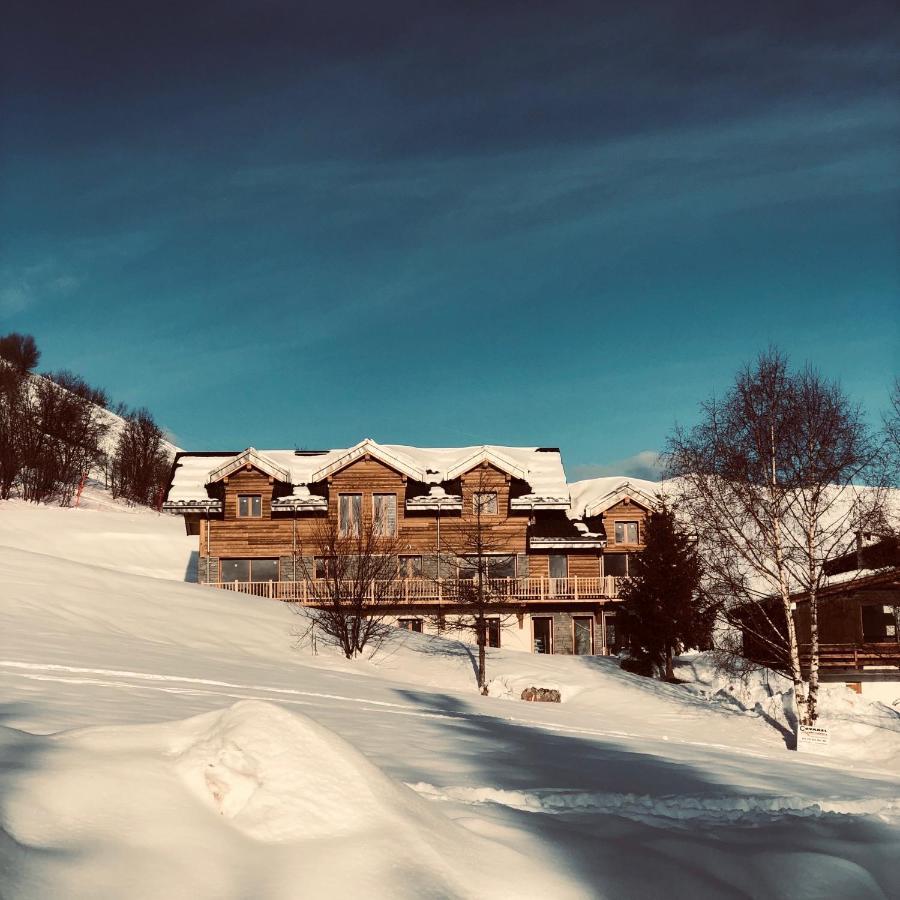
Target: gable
{"x": 251, "y": 458}
{"x": 369, "y": 449}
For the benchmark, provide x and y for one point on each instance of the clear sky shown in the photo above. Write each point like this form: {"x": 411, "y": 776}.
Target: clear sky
{"x": 300, "y": 224}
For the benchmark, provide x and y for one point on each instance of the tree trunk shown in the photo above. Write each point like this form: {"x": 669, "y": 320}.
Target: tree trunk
{"x": 481, "y": 652}
{"x": 670, "y": 668}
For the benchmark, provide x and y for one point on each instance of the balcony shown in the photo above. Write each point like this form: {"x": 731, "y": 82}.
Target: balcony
{"x": 867, "y": 656}
{"x": 419, "y": 591}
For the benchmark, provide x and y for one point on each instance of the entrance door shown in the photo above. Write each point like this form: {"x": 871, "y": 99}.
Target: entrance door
{"x": 559, "y": 574}
{"x": 584, "y": 635}
{"x": 543, "y": 634}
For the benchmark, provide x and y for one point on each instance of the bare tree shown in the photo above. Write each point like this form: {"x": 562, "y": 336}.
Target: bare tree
{"x": 768, "y": 479}
{"x": 12, "y": 411}
{"x": 479, "y": 552}
{"x": 20, "y": 351}
{"x": 140, "y": 464}
{"x": 60, "y": 433}
{"x": 352, "y": 579}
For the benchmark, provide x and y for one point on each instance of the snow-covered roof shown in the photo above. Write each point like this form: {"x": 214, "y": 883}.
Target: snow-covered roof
{"x": 595, "y": 495}
{"x": 367, "y": 447}
{"x": 540, "y": 468}
{"x": 250, "y": 457}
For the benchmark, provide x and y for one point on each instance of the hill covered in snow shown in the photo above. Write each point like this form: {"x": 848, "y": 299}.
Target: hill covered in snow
{"x": 164, "y": 739}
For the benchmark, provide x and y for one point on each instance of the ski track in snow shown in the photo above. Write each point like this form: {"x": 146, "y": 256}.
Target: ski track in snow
{"x": 745, "y": 810}
{"x": 202, "y": 687}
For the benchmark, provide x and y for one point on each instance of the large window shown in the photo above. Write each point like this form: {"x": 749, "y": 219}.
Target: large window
{"x": 484, "y": 502}
{"x": 559, "y": 565}
{"x": 349, "y": 514}
{"x": 322, "y": 567}
{"x": 496, "y": 565}
{"x": 616, "y": 564}
{"x": 384, "y": 514}
{"x": 249, "y": 506}
{"x": 410, "y": 566}
{"x": 583, "y": 635}
{"x": 249, "y": 570}
{"x": 411, "y": 625}
{"x": 626, "y": 532}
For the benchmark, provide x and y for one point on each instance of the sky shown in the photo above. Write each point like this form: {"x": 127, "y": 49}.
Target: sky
{"x": 300, "y": 224}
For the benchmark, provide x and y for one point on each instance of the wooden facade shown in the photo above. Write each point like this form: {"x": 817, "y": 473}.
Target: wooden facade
{"x": 550, "y": 567}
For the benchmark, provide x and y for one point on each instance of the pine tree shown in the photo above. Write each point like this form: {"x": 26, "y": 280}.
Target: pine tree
{"x": 664, "y": 608}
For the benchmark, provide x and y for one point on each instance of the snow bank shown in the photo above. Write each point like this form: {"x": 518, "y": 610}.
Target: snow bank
{"x": 859, "y": 728}
{"x": 248, "y": 801}
{"x": 101, "y": 533}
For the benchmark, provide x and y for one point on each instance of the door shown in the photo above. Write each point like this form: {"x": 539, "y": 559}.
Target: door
{"x": 584, "y": 635}
{"x": 559, "y": 573}
{"x": 542, "y": 630}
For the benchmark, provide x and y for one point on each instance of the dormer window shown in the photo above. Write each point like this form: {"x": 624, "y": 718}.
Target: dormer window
{"x": 249, "y": 506}
{"x": 626, "y": 532}
{"x": 484, "y": 503}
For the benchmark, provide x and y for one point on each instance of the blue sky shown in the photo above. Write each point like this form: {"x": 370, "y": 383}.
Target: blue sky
{"x": 285, "y": 225}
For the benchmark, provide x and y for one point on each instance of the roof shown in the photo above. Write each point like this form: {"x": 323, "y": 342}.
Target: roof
{"x": 595, "y": 495}
{"x": 250, "y": 457}
{"x": 540, "y": 468}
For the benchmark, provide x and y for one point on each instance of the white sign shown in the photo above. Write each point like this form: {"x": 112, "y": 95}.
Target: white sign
{"x": 812, "y": 739}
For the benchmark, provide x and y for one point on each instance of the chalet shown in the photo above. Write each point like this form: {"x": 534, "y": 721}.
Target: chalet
{"x": 858, "y": 619}
{"x": 561, "y": 550}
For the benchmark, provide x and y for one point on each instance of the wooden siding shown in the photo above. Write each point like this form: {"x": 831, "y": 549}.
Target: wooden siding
{"x": 233, "y": 537}
{"x": 624, "y": 511}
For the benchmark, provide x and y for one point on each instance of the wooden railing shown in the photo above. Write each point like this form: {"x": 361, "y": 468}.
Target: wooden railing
{"x": 854, "y": 656}
{"x": 423, "y": 590}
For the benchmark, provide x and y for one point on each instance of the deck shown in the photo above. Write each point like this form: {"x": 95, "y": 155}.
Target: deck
{"x": 424, "y": 591}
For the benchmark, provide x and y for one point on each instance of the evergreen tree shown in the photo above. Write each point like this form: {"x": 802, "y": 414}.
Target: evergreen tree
{"x": 664, "y": 608}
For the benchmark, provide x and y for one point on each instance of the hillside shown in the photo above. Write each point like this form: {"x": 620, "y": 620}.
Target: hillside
{"x": 170, "y": 740}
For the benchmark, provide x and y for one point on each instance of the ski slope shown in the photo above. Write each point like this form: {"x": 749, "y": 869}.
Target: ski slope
{"x": 162, "y": 739}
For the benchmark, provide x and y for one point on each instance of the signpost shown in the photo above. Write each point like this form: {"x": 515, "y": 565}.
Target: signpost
{"x": 812, "y": 739}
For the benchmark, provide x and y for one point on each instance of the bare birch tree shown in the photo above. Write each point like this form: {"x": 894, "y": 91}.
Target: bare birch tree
{"x": 768, "y": 479}
{"x": 352, "y": 580}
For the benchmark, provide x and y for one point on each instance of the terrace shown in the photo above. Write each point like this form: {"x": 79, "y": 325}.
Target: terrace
{"x": 418, "y": 591}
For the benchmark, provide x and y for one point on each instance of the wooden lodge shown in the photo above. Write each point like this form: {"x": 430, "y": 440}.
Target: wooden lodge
{"x": 558, "y": 551}
{"x": 859, "y": 622}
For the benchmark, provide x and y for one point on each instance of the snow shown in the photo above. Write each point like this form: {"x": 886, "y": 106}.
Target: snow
{"x": 542, "y": 469}
{"x": 860, "y": 728}
{"x": 164, "y": 739}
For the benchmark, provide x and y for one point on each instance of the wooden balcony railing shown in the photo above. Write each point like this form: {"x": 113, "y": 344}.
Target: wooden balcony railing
{"x": 860, "y": 656}
{"x": 447, "y": 591}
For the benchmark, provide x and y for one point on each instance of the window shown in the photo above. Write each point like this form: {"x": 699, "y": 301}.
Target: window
{"x": 349, "y": 510}
{"x": 493, "y": 632}
{"x": 584, "y": 635}
{"x": 411, "y": 625}
{"x": 496, "y": 565}
{"x": 384, "y": 514}
{"x": 410, "y": 566}
{"x": 626, "y": 532}
{"x": 249, "y": 506}
{"x": 249, "y": 570}
{"x": 878, "y": 623}
{"x": 484, "y": 502}
{"x": 322, "y": 567}
{"x": 616, "y": 564}
{"x": 559, "y": 565}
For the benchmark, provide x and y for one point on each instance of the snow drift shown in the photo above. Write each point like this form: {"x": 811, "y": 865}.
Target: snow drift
{"x": 250, "y": 800}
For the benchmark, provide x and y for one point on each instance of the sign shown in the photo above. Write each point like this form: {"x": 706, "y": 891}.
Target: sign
{"x": 812, "y": 739}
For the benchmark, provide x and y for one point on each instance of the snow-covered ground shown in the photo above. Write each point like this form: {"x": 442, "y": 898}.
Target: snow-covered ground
{"x": 162, "y": 739}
